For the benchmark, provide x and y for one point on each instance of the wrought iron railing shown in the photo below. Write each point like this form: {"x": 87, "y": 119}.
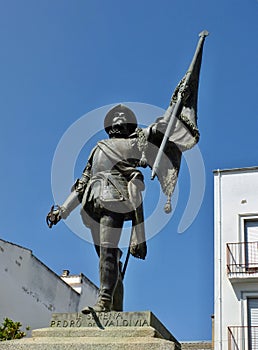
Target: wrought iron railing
{"x": 243, "y": 338}
{"x": 242, "y": 258}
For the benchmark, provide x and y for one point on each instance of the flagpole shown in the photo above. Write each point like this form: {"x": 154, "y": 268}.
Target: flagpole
{"x": 173, "y": 113}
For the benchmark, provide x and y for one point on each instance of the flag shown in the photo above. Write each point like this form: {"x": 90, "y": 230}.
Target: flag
{"x": 182, "y": 132}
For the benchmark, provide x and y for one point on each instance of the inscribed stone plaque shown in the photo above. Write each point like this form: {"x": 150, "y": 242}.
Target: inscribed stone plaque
{"x": 111, "y": 319}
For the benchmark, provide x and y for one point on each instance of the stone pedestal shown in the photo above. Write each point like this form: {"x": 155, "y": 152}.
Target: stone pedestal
{"x": 99, "y": 331}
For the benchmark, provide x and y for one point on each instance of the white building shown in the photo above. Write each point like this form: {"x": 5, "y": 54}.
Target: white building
{"x": 236, "y": 259}
{"x": 83, "y": 286}
{"x": 30, "y": 292}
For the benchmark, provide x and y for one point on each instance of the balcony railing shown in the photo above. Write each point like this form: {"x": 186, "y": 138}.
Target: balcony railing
{"x": 242, "y": 258}
{"x": 243, "y": 338}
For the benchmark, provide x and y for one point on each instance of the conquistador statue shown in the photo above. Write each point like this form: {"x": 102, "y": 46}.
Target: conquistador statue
{"x": 111, "y": 185}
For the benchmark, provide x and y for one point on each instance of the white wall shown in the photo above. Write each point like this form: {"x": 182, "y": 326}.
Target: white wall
{"x": 30, "y": 292}
{"x": 87, "y": 290}
{"x": 89, "y": 294}
{"x": 235, "y": 199}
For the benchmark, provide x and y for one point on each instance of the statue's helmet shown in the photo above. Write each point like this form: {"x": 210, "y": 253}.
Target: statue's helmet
{"x": 117, "y": 111}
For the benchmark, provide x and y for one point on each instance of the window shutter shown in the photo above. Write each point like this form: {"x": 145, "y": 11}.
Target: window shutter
{"x": 253, "y": 323}
{"x": 251, "y": 232}
{"x": 253, "y": 311}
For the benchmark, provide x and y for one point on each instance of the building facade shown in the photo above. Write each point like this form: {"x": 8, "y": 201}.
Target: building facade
{"x": 236, "y": 259}
{"x": 30, "y": 292}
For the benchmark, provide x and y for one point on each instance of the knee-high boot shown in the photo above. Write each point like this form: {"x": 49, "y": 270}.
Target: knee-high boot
{"x": 108, "y": 270}
{"x": 108, "y": 276}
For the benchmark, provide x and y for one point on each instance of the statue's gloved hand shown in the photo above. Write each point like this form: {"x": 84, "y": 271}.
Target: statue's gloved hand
{"x": 62, "y": 212}
{"x": 161, "y": 126}
{"x": 54, "y": 216}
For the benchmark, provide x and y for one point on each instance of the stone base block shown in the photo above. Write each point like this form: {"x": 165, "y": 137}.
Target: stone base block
{"x": 99, "y": 331}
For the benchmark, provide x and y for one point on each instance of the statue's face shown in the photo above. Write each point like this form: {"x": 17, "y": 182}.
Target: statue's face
{"x": 119, "y": 126}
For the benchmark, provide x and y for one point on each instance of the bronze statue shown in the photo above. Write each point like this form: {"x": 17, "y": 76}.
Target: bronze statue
{"x": 111, "y": 184}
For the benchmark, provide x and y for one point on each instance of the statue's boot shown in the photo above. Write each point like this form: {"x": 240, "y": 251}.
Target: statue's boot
{"x": 109, "y": 260}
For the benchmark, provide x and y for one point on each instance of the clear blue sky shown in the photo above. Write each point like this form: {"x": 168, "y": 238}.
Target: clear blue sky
{"x": 61, "y": 59}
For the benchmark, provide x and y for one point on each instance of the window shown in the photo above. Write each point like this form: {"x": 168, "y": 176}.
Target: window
{"x": 253, "y": 323}
{"x": 251, "y": 245}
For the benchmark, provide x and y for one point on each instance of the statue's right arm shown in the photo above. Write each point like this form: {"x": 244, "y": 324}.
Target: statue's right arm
{"x": 77, "y": 191}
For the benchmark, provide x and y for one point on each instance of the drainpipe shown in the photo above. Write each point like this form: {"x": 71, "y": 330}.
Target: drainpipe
{"x": 220, "y": 249}
{"x": 218, "y": 344}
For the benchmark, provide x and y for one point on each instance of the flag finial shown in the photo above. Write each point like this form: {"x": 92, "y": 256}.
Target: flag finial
{"x": 204, "y": 33}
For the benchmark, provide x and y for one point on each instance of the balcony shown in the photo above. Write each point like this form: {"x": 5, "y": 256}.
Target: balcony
{"x": 242, "y": 338}
{"x": 242, "y": 260}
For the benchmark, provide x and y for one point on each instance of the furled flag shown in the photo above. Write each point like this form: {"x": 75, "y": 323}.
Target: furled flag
{"x": 182, "y": 132}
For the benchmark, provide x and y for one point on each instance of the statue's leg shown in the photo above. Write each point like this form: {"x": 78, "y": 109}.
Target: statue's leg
{"x": 110, "y": 232}
{"x": 118, "y": 295}
{"x": 109, "y": 253}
